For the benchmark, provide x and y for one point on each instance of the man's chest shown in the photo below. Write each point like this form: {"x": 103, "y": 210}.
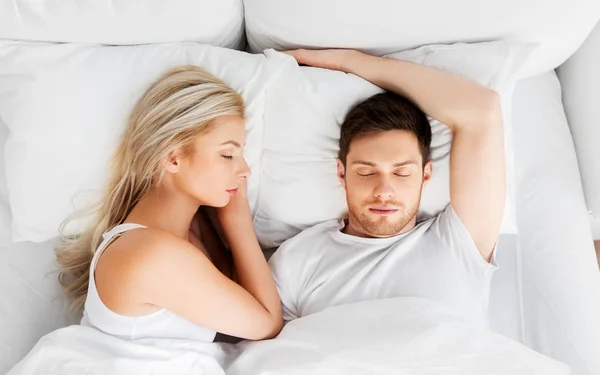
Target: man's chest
{"x": 361, "y": 276}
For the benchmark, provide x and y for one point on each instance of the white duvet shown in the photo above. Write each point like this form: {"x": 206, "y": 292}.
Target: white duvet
{"x": 393, "y": 336}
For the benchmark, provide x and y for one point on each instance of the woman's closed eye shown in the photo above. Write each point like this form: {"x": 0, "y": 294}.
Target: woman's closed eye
{"x": 228, "y": 157}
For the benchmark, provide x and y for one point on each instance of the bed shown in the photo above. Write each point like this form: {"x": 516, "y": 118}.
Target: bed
{"x": 546, "y": 294}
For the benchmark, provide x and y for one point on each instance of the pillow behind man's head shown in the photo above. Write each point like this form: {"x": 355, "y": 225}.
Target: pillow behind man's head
{"x": 305, "y": 109}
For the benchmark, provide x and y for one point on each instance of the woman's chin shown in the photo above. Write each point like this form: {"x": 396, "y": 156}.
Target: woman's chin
{"x": 218, "y": 200}
{"x": 224, "y": 202}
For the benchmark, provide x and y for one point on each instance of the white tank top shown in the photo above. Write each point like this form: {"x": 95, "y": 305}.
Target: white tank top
{"x": 161, "y": 324}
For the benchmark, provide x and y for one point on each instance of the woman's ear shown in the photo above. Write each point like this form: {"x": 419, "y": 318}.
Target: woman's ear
{"x": 171, "y": 162}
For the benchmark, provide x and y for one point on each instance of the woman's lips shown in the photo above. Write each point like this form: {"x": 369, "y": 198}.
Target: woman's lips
{"x": 232, "y": 191}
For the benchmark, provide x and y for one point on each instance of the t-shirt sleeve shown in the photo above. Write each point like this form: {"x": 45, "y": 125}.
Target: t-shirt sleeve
{"x": 456, "y": 237}
{"x": 285, "y": 281}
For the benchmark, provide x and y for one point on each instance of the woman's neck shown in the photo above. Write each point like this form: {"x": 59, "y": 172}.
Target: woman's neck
{"x": 165, "y": 210}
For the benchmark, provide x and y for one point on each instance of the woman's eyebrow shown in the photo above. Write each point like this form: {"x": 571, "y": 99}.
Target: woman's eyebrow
{"x": 231, "y": 143}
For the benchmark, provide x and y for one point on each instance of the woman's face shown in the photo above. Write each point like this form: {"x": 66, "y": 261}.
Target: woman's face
{"x": 215, "y": 169}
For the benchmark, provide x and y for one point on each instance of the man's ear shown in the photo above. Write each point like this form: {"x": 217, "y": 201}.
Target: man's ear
{"x": 427, "y": 171}
{"x": 171, "y": 162}
{"x": 341, "y": 173}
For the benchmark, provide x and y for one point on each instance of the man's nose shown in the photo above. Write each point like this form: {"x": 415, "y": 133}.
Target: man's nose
{"x": 384, "y": 191}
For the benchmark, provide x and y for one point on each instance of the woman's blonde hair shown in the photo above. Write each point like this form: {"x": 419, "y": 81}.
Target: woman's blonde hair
{"x": 175, "y": 110}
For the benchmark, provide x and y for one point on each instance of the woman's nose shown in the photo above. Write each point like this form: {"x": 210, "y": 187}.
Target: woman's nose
{"x": 244, "y": 171}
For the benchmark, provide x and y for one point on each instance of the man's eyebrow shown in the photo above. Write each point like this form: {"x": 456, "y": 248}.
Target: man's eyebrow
{"x": 363, "y": 162}
{"x": 402, "y": 164}
{"x": 231, "y": 143}
{"x": 396, "y": 165}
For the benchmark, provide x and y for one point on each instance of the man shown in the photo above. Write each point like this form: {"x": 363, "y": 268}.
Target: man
{"x": 381, "y": 251}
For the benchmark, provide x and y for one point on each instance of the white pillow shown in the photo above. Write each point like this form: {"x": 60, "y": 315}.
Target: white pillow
{"x": 304, "y": 110}
{"x": 215, "y": 22}
{"x": 580, "y": 80}
{"x": 387, "y": 26}
{"x": 65, "y": 106}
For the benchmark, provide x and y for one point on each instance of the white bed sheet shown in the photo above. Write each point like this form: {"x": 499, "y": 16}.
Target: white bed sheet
{"x": 393, "y": 336}
{"x": 30, "y": 305}
{"x": 5, "y": 215}
{"x": 505, "y": 292}
{"x": 3, "y": 137}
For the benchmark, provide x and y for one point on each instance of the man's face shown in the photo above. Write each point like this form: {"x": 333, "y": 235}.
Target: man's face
{"x": 384, "y": 179}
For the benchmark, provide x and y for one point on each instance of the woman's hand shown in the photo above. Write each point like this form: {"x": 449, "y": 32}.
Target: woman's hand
{"x": 205, "y": 237}
{"x": 336, "y": 59}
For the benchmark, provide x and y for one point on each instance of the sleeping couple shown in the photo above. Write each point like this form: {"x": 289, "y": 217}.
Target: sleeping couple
{"x": 152, "y": 265}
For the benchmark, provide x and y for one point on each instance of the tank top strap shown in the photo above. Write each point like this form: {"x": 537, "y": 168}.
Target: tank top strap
{"x": 121, "y": 228}
{"x": 108, "y": 236}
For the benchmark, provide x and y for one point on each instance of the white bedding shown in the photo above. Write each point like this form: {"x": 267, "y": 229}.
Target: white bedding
{"x": 560, "y": 291}
{"x": 124, "y": 22}
{"x": 580, "y": 82}
{"x": 387, "y": 26}
{"x": 399, "y": 336}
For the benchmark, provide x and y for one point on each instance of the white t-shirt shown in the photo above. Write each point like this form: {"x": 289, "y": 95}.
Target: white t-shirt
{"x": 437, "y": 259}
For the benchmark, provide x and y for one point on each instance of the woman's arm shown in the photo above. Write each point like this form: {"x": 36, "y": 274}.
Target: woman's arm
{"x": 250, "y": 266}
{"x": 171, "y": 273}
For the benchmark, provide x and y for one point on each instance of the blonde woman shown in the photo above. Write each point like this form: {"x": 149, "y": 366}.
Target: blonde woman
{"x": 139, "y": 271}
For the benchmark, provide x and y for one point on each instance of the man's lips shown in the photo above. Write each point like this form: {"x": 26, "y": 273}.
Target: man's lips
{"x": 383, "y": 211}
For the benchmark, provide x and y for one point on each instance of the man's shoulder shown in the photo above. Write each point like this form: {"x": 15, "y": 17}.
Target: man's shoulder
{"x": 308, "y": 239}
{"x": 314, "y": 233}
{"x": 446, "y": 222}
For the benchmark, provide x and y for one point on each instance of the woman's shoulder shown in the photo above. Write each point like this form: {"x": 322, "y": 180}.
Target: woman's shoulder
{"x": 145, "y": 251}
{"x": 149, "y": 238}
{"x": 127, "y": 272}
{"x": 137, "y": 260}
{"x": 150, "y": 244}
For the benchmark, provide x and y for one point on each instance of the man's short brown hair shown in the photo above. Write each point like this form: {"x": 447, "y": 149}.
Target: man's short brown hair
{"x": 384, "y": 112}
